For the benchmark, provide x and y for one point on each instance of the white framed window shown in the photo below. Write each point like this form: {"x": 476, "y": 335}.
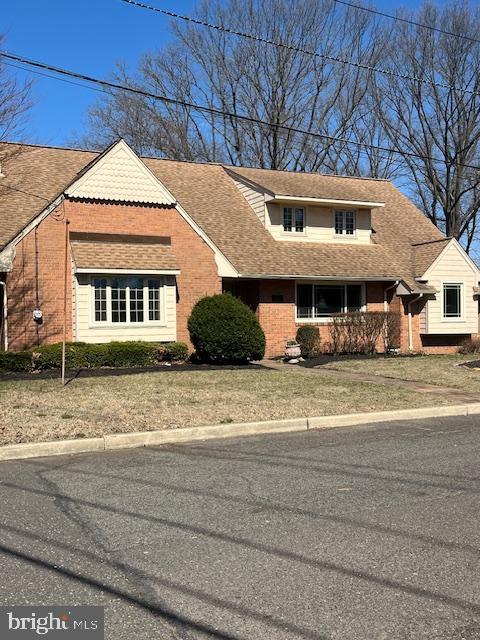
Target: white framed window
{"x": 294, "y": 219}
{"x": 344, "y": 223}
{"x": 323, "y": 300}
{"x": 127, "y": 300}
{"x": 452, "y": 300}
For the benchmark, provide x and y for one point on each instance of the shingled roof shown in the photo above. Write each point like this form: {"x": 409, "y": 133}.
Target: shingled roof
{"x": 37, "y": 175}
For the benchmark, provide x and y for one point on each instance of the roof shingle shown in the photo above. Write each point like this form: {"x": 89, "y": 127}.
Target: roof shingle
{"x": 209, "y": 195}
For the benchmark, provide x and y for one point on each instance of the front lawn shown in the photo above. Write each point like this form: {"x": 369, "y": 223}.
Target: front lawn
{"x": 42, "y": 410}
{"x": 431, "y": 369}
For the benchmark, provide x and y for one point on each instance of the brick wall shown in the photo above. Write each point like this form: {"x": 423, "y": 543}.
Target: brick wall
{"x": 278, "y": 318}
{"x": 198, "y": 277}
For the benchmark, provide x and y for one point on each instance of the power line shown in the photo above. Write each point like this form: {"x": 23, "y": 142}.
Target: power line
{"x": 291, "y": 47}
{"x": 407, "y": 21}
{"x": 211, "y": 110}
{"x": 49, "y": 75}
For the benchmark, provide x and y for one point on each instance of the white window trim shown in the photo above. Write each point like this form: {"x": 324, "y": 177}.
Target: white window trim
{"x": 328, "y": 319}
{"x": 293, "y": 232}
{"x": 344, "y": 235}
{"x": 108, "y": 324}
{"x": 461, "y": 318}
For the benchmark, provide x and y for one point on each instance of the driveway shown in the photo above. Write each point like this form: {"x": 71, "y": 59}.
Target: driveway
{"x": 360, "y": 533}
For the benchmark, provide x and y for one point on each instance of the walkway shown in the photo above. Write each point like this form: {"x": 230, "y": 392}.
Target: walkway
{"x": 453, "y": 395}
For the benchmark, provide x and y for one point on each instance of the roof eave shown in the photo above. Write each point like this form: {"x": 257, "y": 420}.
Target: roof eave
{"x": 329, "y": 202}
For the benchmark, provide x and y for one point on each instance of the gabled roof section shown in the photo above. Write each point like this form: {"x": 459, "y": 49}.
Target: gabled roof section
{"x": 207, "y": 197}
{"x": 119, "y": 175}
{"x": 452, "y": 245}
{"x": 34, "y": 177}
{"x": 425, "y": 254}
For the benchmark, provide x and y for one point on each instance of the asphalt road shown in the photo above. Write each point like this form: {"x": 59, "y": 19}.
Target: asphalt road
{"x": 360, "y": 533}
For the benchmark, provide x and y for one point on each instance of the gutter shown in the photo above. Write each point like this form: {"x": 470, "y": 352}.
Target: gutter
{"x": 4, "y": 320}
{"x": 410, "y": 331}
{"x": 340, "y": 278}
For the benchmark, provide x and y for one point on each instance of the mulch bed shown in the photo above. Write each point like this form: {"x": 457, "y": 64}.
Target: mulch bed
{"x": 71, "y": 374}
{"x": 473, "y": 364}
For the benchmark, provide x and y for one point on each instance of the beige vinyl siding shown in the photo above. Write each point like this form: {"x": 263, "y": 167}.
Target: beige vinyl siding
{"x": 424, "y": 319}
{"x": 88, "y": 331}
{"x": 255, "y": 199}
{"x": 452, "y": 267}
{"x": 319, "y": 225}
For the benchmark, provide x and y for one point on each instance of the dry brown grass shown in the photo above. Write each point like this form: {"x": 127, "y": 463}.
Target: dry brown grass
{"x": 438, "y": 370}
{"x": 42, "y": 410}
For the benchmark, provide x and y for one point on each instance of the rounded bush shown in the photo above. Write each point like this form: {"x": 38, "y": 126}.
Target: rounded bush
{"x": 223, "y": 329}
{"x": 308, "y": 337}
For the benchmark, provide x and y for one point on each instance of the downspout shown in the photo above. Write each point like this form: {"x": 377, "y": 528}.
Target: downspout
{"x": 385, "y": 302}
{"x": 410, "y": 331}
{"x": 4, "y": 324}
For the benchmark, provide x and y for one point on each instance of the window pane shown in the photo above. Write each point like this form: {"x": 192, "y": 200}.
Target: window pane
{"x": 452, "y": 301}
{"x": 354, "y": 297}
{"x": 119, "y": 300}
{"x": 287, "y": 219}
{"x": 349, "y": 225}
{"x": 299, "y": 219}
{"x": 100, "y": 288}
{"x": 328, "y": 300}
{"x": 136, "y": 299}
{"x": 338, "y": 222}
{"x": 304, "y": 300}
{"x": 154, "y": 300}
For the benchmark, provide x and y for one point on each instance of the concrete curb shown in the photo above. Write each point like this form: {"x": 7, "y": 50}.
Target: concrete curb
{"x": 173, "y": 436}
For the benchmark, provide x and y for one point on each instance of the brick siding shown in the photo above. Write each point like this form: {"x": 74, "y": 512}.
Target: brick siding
{"x": 198, "y": 277}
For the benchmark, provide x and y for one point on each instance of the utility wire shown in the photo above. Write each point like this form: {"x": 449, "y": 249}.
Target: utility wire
{"x": 211, "y": 110}
{"x": 407, "y": 21}
{"x": 291, "y": 47}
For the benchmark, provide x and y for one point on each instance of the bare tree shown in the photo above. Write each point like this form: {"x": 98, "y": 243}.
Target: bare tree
{"x": 439, "y": 125}
{"x": 279, "y": 85}
{"x": 14, "y": 104}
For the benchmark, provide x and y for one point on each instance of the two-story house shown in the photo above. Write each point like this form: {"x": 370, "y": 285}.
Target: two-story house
{"x": 111, "y": 246}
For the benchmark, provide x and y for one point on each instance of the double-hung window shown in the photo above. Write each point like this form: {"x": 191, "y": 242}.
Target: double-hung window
{"x": 127, "y": 300}
{"x": 344, "y": 223}
{"x": 294, "y": 219}
{"x": 324, "y": 300}
{"x": 452, "y": 301}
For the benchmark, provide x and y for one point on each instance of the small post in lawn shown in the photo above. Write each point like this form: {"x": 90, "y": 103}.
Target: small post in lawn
{"x": 67, "y": 222}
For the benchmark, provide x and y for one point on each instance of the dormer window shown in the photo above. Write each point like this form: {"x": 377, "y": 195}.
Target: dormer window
{"x": 344, "y": 223}
{"x": 294, "y": 219}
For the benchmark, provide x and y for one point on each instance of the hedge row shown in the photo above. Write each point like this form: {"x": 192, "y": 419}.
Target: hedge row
{"x": 80, "y": 355}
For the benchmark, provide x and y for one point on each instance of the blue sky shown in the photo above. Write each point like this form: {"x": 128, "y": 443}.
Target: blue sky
{"x": 87, "y": 36}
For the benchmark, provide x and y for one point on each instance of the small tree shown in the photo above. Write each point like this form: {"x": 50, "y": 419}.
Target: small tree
{"x": 308, "y": 337}
{"x": 223, "y": 329}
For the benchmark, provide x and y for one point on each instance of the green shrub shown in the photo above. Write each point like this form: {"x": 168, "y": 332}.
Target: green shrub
{"x": 48, "y": 356}
{"x": 470, "y": 345}
{"x": 15, "y": 361}
{"x": 308, "y": 337}
{"x": 80, "y": 355}
{"x": 171, "y": 352}
{"x": 130, "y": 354}
{"x": 223, "y": 329}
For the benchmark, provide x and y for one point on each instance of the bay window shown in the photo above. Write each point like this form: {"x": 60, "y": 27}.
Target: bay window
{"x": 324, "y": 300}
{"x": 127, "y": 300}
